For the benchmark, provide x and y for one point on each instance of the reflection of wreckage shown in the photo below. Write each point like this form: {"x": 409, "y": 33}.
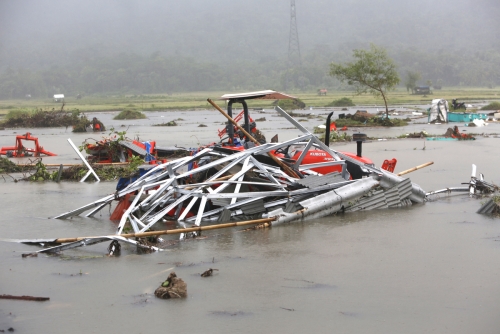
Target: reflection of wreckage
{"x": 19, "y": 150}
{"x": 244, "y": 187}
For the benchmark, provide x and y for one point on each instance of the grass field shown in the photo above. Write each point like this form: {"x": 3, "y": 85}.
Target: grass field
{"x": 198, "y": 100}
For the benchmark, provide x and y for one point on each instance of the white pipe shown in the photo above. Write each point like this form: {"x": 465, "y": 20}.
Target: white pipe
{"x": 84, "y": 161}
{"x": 325, "y": 204}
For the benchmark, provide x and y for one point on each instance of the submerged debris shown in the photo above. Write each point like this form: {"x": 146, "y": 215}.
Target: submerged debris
{"x": 491, "y": 206}
{"x": 455, "y": 133}
{"x": 171, "y": 123}
{"x": 173, "y": 287}
{"x": 37, "y": 299}
{"x": 208, "y": 273}
{"x": 85, "y": 125}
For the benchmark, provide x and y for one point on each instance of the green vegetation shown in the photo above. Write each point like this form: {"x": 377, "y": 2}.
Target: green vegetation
{"x": 130, "y": 114}
{"x": 75, "y": 173}
{"x": 335, "y": 136}
{"x": 421, "y": 134}
{"x": 105, "y": 173}
{"x": 41, "y": 173}
{"x": 374, "y": 121}
{"x": 39, "y": 118}
{"x": 411, "y": 80}
{"x": 7, "y": 166}
{"x": 342, "y": 102}
{"x": 492, "y": 106}
{"x": 198, "y": 100}
{"x": 110, "y": 145}
{"x": 372, "y": 72}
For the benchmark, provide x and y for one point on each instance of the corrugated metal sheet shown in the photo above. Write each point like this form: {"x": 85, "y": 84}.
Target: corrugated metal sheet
{"x": 133, "y": 147}
{"x": 405, "y": 188}
{"x": 253, "y": 207}
{"x": 220, "y": 201}
{"x": 292, "y": 207}
{"x": 374, "y": 200}
{"x": 313, "y": 181}
{"x": 225, "y": 216}
{"x": 488, "y": 207}
{"x": 396, "y": 196}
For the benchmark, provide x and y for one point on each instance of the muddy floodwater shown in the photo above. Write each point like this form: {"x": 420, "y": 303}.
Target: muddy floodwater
{"x": 430, "y": 268}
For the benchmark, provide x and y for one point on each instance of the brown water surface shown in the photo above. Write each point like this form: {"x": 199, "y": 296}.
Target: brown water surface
{"x": 430, "y": 268}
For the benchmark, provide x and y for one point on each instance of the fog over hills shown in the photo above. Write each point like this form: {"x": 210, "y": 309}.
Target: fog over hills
{"x": 41, "y": 32}
{"x": 156, "y": 46}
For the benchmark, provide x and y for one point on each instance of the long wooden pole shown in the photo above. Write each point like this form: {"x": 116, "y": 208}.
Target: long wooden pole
{"x": 286, "y": 168}
{"x": 415, "y": 168}
{"x": 175, "y": 231}
{"x": 74, "y": 165}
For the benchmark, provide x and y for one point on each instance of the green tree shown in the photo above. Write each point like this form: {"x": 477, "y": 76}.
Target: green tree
{"x": 372, "y": 72}
{"x": 411, "y": 80}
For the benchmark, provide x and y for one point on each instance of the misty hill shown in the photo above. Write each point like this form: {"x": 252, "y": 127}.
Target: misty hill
{"x": 135, "y": 46}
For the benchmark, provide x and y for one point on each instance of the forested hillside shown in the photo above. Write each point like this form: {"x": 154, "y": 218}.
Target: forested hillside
{"x": 119, "y": 47}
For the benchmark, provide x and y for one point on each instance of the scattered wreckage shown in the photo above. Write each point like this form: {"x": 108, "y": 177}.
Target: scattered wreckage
{"x": 439, "y": 113}
{"x": 251, "y": 185}
{"x": 245, "y": 182}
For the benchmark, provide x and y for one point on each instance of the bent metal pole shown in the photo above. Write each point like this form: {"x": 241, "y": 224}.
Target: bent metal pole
{"x": 286, "y": 168}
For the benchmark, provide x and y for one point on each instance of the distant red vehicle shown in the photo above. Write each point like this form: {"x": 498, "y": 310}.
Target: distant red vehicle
{"x": 19, "y": 150}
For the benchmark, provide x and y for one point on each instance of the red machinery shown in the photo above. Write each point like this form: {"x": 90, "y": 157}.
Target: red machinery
{"x": 238, "y": 118}
{"x": 21, "y": 151}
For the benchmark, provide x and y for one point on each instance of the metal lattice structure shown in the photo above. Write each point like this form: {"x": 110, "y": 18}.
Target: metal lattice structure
{"x": 294, "y": 59}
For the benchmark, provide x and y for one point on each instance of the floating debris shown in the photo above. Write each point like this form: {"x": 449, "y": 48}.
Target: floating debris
{"x": 455, "y": 133}
{"x": 36, "y": 299}
{"x": 173, "y": 287}
{"x": 208, "y": 273}
{"x": 171, "y": 123}
{"x": 491, "y": 206}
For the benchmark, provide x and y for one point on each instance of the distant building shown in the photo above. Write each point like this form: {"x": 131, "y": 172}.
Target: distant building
{"x": 58, "y": 97}
{"x": 422, "y": 90}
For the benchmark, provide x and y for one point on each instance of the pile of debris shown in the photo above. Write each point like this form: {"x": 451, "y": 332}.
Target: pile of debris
{"x": 173, "y": 287}
{"x": 218, "y": 185}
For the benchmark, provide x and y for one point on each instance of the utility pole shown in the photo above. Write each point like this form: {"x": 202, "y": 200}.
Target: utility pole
{"x": 294, "y": 60}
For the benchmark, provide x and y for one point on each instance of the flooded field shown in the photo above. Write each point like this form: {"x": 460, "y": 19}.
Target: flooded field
{"x": 427, "y": 268}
